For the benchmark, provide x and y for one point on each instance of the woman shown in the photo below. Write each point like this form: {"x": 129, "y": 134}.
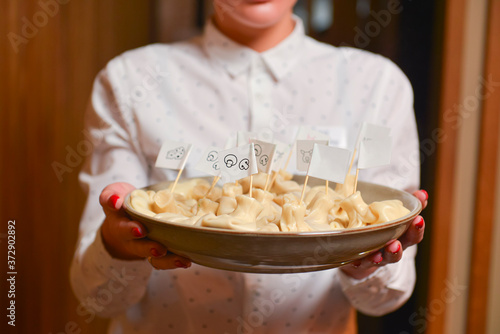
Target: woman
{"x": 252, "y": 69}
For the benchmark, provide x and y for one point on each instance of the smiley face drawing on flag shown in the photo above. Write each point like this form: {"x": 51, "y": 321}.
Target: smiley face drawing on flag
{"x": 213, "y": 157}
{"x": 264, "y": 152}
{"x": 230, "y": 160}
{"x": 237, "y": 163}
{"x": 209, "y": 162}
{"x": 244, "y": 164}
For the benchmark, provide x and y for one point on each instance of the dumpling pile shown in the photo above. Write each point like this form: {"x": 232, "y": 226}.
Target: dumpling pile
{"x": 277, "y": 210}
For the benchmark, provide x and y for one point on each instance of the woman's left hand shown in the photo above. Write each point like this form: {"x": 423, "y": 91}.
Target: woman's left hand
{"x": 393, "y": 251}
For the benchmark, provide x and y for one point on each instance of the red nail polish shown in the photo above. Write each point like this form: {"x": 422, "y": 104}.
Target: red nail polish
{"x": 397, "y": 250}
{"x": 155, "y": 252}
{"x": 179, "y": 264}
{"x": 420, "y": 223}
{"x": 136, "y": 232}
{"x": 113, "y": 199}
{"x": 379, "y": 260}
{"x": 425, "y": 193}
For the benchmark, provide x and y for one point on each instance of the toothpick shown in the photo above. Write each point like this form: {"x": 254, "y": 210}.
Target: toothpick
{"x": 216, "y": 179}
{"x": 304, "y": 188}
{"x": 326, "y": 189}
{"x": 176, "y": 180}
{"x": 267, "y": 182}
{"x": 273, "y": 179}
{"x": 289, "y": 157}
{"x": 352, "y": 161}
{"x": 356, "y": 181}
{"x": 251, "y": 186}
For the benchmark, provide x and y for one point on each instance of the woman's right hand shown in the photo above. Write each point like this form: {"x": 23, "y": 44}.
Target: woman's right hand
{"x": 126, "y": 239}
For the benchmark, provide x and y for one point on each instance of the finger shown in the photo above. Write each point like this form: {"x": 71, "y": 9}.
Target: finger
{"x": 360, "y": 268}
{"x": 373, "y": 259}
{"x": 112, "y": 197}
{"x": 144, "y": 248}
{"x": 128, "y": 230}
{"x": 414, "y": 234}
{"x": 393, "y": 252}
{"x": 423, "y": 196}
{"x": 170, "y": 261}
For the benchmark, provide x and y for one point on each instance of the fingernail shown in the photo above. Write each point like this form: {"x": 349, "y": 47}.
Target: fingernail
{"x": 378, "y": 258}
{"x": 113, "y": 199}
{"x": 180, "y": 264}
{"x": 397, "y": 249}
{"x": 136, "y": 232}
{"x": 155, "y": 252}
{"x": 356, "y": 263}
{"x": 420, "y": 224}
{"x": 425, "y": 193}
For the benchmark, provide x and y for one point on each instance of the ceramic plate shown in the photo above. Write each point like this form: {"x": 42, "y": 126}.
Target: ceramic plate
{"x": 280, "y": 252}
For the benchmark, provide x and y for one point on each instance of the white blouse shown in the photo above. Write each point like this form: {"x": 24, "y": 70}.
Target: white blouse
{"x": 202, "y": 91}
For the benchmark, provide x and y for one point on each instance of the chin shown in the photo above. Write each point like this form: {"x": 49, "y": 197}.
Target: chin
{"x": 257, "y": 13}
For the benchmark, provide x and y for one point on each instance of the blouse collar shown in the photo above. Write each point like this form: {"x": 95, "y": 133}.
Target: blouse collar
{"x": 236, "y": 58}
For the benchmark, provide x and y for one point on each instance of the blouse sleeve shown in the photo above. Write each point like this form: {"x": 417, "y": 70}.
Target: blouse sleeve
{"x": 385, "y": 290}
{"x": 104, "y": 285}
{"x": 390, "y": 286}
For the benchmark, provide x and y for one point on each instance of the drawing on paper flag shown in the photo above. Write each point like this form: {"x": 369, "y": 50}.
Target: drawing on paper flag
{"x": 173, "y": 155}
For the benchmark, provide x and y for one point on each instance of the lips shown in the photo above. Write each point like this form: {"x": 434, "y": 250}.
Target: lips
{"x": 257, "y": 1}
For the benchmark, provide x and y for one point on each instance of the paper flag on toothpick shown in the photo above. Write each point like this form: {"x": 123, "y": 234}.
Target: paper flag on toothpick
{"x": 371, "y": 131}
{"x": 264, "y": 153}
{"x": 375, "y": 152}
{"x": 173, "y": 155}
{"x": 231, "y": 141}
{"x": 329, "y": 163}
{"x": 209, "y": 162}
{"x": 305, "y": 151}
{"x": 280, "y": 155}
{"x": 237, "y": 163}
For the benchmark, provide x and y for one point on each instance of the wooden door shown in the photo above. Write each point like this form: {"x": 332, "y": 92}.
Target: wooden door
{"x": 50, "y": 52}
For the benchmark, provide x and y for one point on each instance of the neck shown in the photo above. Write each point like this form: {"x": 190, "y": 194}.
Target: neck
{"x": 259, "y": 39}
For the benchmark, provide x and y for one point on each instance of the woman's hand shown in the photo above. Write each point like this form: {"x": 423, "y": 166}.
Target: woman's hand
{"x": 126, "y": 239}
{"x": 393, "y": 251}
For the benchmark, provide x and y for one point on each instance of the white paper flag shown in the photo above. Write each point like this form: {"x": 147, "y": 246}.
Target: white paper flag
{"x": 173, "y": 155}
{"x": 329, "y": 163}
{"x": 305, "y": 151}
{"x": 264, "y": 153}
{"x": 280, "y": 155}
{"x": 375, "y": 152}
{"x": 237, "y": 163}
{"x": 209, "y": 162}
{"x": 372, "y": 131}
{"x": 231, "y": 141}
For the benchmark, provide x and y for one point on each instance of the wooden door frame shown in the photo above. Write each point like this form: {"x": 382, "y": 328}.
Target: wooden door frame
{"x": 486, "y": 180}
{"x": 455, "y": 13}
{"x": 442, "y": 219}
